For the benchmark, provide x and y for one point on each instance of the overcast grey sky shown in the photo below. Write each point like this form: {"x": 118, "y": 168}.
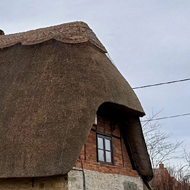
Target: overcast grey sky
{"x": 147, "y": 40}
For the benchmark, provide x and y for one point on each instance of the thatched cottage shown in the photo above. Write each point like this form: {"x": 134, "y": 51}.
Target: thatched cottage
{"x": 68, "y": 118}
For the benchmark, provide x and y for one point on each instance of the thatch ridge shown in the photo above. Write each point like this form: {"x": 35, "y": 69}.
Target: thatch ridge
{"x": 74, "y": 32}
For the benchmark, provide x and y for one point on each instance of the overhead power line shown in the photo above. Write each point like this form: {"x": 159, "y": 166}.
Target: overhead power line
{"x": 163, "y": 83}
{"x": 169, "y": 117}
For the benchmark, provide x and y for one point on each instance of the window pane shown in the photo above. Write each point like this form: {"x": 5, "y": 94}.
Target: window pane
{"x": 100, "y": 143}
{"x": 107, "y": 144}
{"x": 108, "y": 156}
{"x": 100, "y": 155}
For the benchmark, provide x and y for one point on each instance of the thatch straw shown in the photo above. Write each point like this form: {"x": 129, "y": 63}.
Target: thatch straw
{"x": 75, "y": 32}
{"x": 49, "y": 94}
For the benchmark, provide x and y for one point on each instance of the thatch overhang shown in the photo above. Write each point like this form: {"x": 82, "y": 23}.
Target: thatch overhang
{"x": 51, "y": 88}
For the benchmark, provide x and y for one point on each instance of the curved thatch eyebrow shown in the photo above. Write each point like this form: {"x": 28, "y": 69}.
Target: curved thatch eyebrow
{"x": 75, "y": 32}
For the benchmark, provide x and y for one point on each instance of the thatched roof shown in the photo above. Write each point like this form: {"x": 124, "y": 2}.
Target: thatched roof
{"x": 72, "y": 33}
{"x": 52, "y": 82}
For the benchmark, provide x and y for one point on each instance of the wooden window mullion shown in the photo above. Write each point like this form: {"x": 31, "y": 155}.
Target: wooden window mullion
{"x": 104, "y": 149}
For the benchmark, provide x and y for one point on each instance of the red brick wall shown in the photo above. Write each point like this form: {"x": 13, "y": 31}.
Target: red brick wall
{"x": 88, "y": 155}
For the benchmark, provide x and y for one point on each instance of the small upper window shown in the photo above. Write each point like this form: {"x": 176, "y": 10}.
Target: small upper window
{"x": 104, "y": 149}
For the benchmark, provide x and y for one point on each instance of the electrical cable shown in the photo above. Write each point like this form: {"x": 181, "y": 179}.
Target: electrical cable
{"x": 162, "y": 83}
{"x": 161, "y": 118}
{"x": 169, "y": 117}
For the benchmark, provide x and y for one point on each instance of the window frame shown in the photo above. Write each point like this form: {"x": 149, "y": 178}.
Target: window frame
{"x": 108, "y": 137}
